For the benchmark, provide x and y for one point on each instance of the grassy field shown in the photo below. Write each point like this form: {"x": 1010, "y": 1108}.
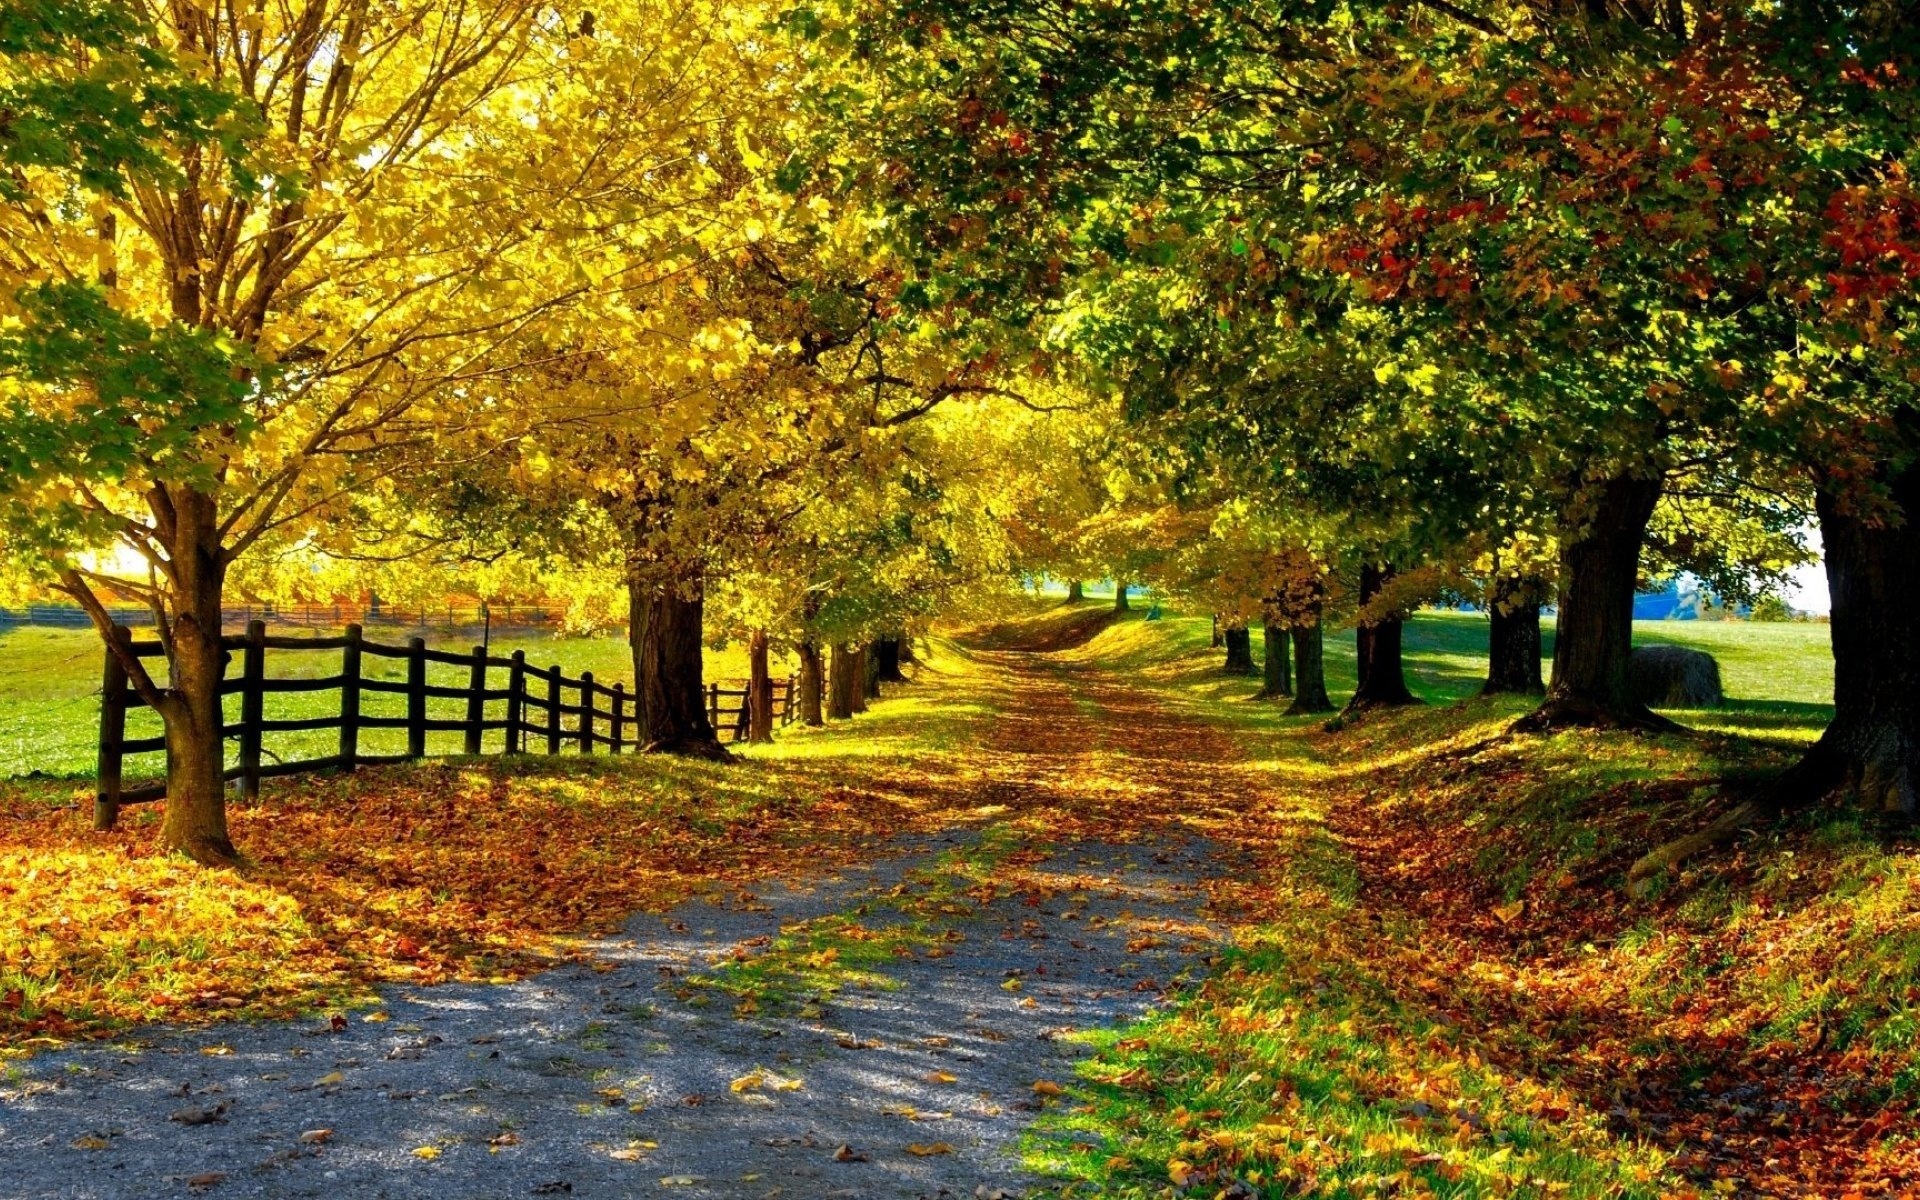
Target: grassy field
{"x": 50, "y": 694}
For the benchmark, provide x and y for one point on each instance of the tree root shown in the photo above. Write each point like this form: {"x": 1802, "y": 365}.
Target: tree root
{"x": 1578, "y": 712}
{"x": 708, "y": 749}
{"x": 1802, "y": 785}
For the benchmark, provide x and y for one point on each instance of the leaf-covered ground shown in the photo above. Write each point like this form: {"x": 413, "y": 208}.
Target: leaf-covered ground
{"x": 1430, "y": 982}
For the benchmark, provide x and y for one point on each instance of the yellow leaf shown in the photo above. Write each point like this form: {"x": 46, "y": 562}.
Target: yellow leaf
{"x": 748, "y": 1083}
{"x": 928, "y": 1149}
{"x": 1508, "y": 913}
{"x": 330, "y": 1078}
{"x": 427, "y": 1153}
{"x": 1047, "y": 1087}
{"x": 942, "y": 1077}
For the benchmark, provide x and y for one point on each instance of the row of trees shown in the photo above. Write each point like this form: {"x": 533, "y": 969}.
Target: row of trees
{"x": 298, "y": 291}
{"x": 1525, "y": 300}
{"x": 786, "y": 322}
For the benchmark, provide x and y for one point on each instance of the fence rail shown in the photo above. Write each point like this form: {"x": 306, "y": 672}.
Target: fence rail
{"x": 544, "y": 708}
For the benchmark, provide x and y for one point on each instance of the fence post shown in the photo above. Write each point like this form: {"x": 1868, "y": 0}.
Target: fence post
{"x": 516, "y": 703}
{"x": 619, "y": 714}
{"x": 253, "y": 701}
{"x": 416, "y": 697}
{"x": 113, "y": 733}
{"x": 586, "y": 712}
{"x": 553, "y": 711}
{"x": 713, "y": 705}
{"x": 350, "y": 699}
{"x": 786, "y": 704}
{"x": 476, "y": 699}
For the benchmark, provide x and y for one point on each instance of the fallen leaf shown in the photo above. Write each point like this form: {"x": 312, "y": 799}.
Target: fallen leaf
{"x": 847, "y": 1153}
{"x": 1047, "y": 1087}
{"x": 928, "y": 1149}
{"x": 210, "y": 1179}
{"x": 429, "y": 1153}
{"x": 317, "y": 1137}
{"x": 942, "y": 1077}
{"x": 329, "y": 1079}
{"x": 216, "y": 1051}
{"x": 678, "y": 1180}
{"x": 90, "y": 1141}
{"x": 1508, "y": 913}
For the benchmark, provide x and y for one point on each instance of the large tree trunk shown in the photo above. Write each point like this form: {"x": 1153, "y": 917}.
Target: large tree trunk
{"x": 1513, "y": 636}
{"x": 1075, "y": 592}
{"x": 1119, "y": 597}
{"x": 196, "y": 816}
{"x": 1217, "y": 636}
{"x": 841, "y": 683}
{"x": 887, "y": 660}
{"x": 1593, "y": 636}
{"x": 1239, "y": 650}
{"x": 1872, "y": 745}
{"x": 664, "y": 629}
{"x": 810, "y": 684}
{"x": 1309, "y": 670}
{"x": 862, "y": 679}
{"x": 1277, "y": 674}
{"x": 1383, "y": 676}
{"x": 759, "y": 690}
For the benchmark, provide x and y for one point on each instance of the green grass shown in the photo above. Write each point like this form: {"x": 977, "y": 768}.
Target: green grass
{"x": 50, "y": 695}
{"x": 1778, "y": 678}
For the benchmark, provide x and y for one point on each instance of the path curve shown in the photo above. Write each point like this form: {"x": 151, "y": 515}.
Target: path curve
{"x": 730, "y": 1048}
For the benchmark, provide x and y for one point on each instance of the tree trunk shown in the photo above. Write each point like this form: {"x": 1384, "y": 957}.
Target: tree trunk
{"x": 1593, "y": 637}
{"x": 861, "y": 677}
{"x": 907, "y": 653}
{"x": 759, "y": 690}
{"x": 1309, "y": 670}
{"x": 1872, "y": 745}
{"x": 1075, "y": 592}
{"x": 810, "y": 684}
{"x": 1276, "y": 669}
{"x": 887, "y": 658}
{"x": 1119, "y": 597}
{"x": 1239, "y": 650}
{"x": 1513, "y": 636}
{"x": 1382, "y": 670}
{"x": 665, "y": 629}
{"x": 1216, "y": 637}
{"x": 840, "y": 683}
{"x": 196, "y": 816}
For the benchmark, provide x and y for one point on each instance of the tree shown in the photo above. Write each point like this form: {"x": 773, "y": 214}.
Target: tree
{"x": 261, "y": 344}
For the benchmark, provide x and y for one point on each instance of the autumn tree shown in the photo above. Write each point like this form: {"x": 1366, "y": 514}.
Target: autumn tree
{"x": 251, "y": 328}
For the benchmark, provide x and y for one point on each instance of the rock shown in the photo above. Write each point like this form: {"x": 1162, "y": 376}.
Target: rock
{"x": 1675, "y": 677}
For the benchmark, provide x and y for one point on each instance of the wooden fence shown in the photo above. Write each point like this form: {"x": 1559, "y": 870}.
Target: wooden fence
{"x": 536, "y": 709}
